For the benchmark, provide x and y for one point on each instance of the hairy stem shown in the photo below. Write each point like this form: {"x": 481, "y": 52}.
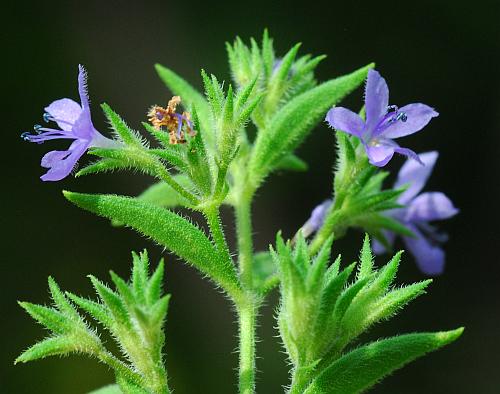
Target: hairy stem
{"x": 246, "y": 318}
{"x": 246, "y": 310}
{"x": 245, "y": 242}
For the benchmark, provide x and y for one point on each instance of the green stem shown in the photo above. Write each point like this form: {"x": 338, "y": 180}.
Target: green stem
{"x": 246, "y": 310}
{"x": 246, "y": 319}
{"x": 245, "y": 242}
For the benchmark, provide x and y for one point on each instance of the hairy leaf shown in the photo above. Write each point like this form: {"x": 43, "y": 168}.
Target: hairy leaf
{"x": 168, "y": 229}
{"x": 362, "y": 368}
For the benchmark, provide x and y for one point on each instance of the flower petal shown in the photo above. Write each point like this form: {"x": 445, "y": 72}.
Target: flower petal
{"x": 429, "y": 258}
{"x": 82, "y": 87}
{"x": 379, "y": 155}
{"x": 317, "y": 218}
{"x": 430, "y": 206}
{"x": 417, "y": 116}
{"x": 415, "y": 175}
{"x": 65, "y": 110}
{"x": 50, "y": 158}
{"x": 83, "y": 127}
{"x": 409, "y": 153}
{"x": 61, "y": 165}
{"x": 345, "y": 120}
{"x": 376, "y": 98}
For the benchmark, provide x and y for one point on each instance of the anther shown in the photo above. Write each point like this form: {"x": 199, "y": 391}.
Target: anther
{"x": 392, "y": 108}
{"x": 402, "y": 117}
{"x": 37, "y": 128}
{"x": 47, "y": 117}
{"x": 26, "y": 136}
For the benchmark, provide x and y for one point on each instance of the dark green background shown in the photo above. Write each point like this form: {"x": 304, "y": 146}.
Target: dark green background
{"x": 444, "y": 53}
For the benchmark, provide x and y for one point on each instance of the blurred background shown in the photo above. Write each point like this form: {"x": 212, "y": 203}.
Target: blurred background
{"x": 442, "y": 53}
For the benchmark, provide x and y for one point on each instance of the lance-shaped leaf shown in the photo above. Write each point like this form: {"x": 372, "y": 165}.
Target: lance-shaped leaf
{"x": 362, "y": 368}
{"x": 59, "y": 345}
{"x": 127, "y": 135}
{"x": 168, "y": 229}
{"x": 296, "y": 119}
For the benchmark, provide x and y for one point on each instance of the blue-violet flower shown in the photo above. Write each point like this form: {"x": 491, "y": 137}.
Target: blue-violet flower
{"x": 383, "y": 123}
{"x": 317, "y": 218}
{"x": 74, "y": 123}
{"x": 419, "y": 210}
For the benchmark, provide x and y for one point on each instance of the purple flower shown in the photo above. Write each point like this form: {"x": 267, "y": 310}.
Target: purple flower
{"x": 383, "y": 123}
{"x": 74, "y": 124}
{"x": 419, "y": 210}
{"x": 317, "y": 218}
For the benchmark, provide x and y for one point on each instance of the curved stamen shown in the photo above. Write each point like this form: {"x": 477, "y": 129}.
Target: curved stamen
{"x": 388, "y": 119}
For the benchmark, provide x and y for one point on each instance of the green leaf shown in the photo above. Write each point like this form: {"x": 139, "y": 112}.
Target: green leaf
{"x": 140, "y": 273}
{"x": 355, "y": 318}
{"x": 127, "y": 135}
{"x": 366, "y": 258}
{"x": 189, "y": 95}
{"x": 59, "y": 345}
{"x": 123, "y": 289}
{"x": 155, "y": 283}
{"x": 161, "y": 194}
{"x": 94, "y": 309}
{"x": 112, "y": 301}
{"x": 362, "y": 368}
{"x": 334, "y": 289}
{"x": 267, "y": 54}
{"x": 49, "y": 317}
{"x": 61, "y": 301}
{"x": 345, "y": 299}
{"x": 292, "y": 163}
{"x": 168, "y": 229}
{"x": 159, "y": 310}
{"x": 296, "y": 119}
{"x": 316, "y": 274}
{"x": 376, "y": 221}
{"x": 264, "y": 272}
{"x": 104, "y": 165}
{"x": 393, "y": 301}
{"x": 111, "y": 389}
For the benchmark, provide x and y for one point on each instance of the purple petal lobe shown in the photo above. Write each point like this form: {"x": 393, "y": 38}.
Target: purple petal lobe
{"x": 345, "y": 120}
{"x": 82, "y": 87}
{"x": 379, "y": 154}
{"x": 376, "y": 98}
{"x": 409, "y": 153}
{"x": 430, "y": 258}
{"x": 430, "y": 206}
{"x": 417, "y": 116}
{"x": 317, "y": 218}
{"x": 83, "y": 127}
{"x": 61, "y": 165}
{"x": 415, "y": 175}
{"x": 50, "y": 158}
{"x": 66, "y": 111}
